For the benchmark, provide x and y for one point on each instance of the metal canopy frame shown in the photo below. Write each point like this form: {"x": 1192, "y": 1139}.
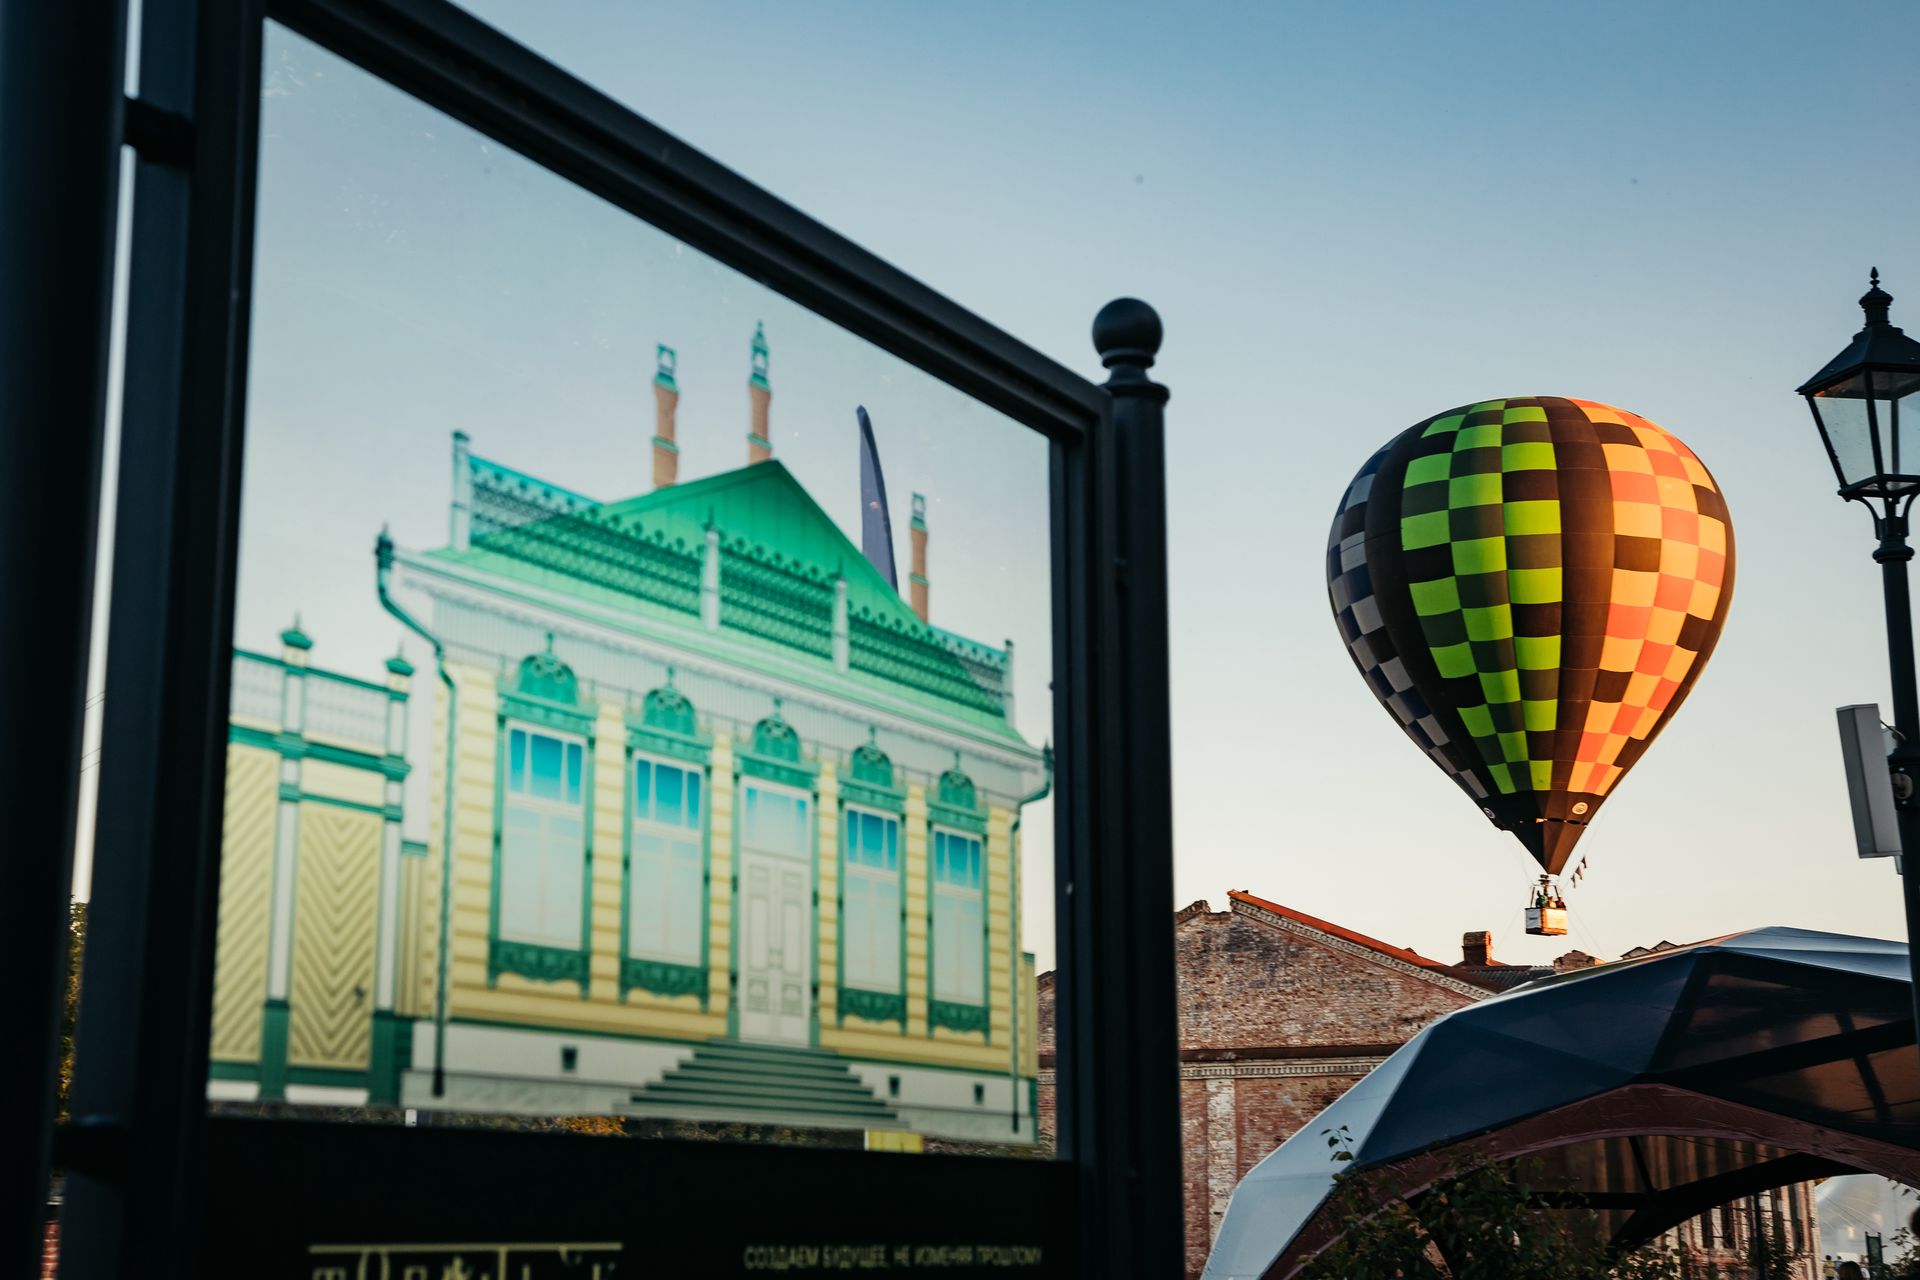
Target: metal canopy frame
{"x": 146, "y": 1168}
{"x": 1655, "y": 1088}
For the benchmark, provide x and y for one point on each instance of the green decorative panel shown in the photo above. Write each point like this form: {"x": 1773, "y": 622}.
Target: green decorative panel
{"x": 775, "y": 739}
{"x": 667, "y": 725}
{"x": 604, "y": 551}
{"x": 874, "y": 1006}
{"x": 955, "y": 803}
{"x": 542, "y": 964}
{"x": 775, "y": 754}
{"x": 956, "y": 789}
{"x": 692, "y": 750}
{"x": 544, "y": 676}
{"x": 570, "y": 719}
{"x": 663, "y": 978}
{"x": 890, "y": 800}
{"x": 957, "y": 1017}
{"x": 778, "y": 599}
{"x": 871, "y": 765}
{"x": 907, "y": 653}
{"x": 792, "y": 775}
{"x": 668, "y": 710}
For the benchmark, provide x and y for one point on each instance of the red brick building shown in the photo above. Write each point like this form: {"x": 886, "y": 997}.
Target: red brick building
{"x": 1282, "y": 1012}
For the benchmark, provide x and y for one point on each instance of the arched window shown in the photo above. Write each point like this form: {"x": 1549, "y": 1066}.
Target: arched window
{"x": 542, "y": 833}
{"x": 872, "y": 968}
{"x": 957, "y": 872}
{"x": 664, "y": 924}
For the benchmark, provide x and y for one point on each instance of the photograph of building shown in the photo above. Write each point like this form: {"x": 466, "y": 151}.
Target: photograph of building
{"x": 719, "y": 827}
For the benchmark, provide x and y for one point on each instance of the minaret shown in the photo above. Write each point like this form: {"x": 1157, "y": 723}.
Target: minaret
{"x": 666, "y": 400}
{"x": 759, "y": 441}
{"x": 917, "y": 581}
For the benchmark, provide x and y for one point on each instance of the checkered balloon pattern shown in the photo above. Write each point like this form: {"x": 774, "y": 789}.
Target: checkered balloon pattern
{"x": 1530, "y": 587}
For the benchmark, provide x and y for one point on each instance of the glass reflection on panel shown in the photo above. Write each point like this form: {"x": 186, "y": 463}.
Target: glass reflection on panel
{"x": 731, "y": 815}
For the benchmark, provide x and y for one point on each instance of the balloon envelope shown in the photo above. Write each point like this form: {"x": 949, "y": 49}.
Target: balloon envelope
{"x": 1531, "y": 586}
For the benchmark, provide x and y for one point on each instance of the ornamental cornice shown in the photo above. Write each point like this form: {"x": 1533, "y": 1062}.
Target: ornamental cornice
{"x": 1257, "y": 1070}
{"x": 1268, "y": 1070}
{"x": 1287, "y": 924}
{"x": 635, "y": 638}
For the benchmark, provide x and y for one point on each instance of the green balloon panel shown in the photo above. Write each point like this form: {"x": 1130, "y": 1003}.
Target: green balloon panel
{"x": 1531, "y": 586}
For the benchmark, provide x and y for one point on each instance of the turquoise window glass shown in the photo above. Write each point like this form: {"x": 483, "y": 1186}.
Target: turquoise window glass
{"x": 542, "y": 883}
{"x": 871, "y": 894}
{"x": 959, "y": 920}
{"x": 666, "y": 894}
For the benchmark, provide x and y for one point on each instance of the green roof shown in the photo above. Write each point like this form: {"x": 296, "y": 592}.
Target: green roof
{"x": 765, "y": 506}
{"x": 780, "y": 553}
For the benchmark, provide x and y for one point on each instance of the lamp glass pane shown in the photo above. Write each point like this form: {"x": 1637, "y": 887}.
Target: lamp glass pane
{"x": 1905, "y": 426}
{"x": 1844, "y": 420}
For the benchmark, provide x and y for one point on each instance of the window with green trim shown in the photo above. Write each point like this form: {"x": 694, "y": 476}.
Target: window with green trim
{"x": 959, "y": 919}
{"x": 666, "y": 899}
{"x": 543, "y": 863}
{"x": 870, "y": 893}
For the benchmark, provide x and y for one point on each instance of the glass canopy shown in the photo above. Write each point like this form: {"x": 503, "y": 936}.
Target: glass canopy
{"x": 1655, "y": 1088}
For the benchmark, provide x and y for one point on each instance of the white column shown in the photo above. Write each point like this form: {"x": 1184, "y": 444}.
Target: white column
{"x": 286, "y": 843}
{"x": 385, "y": 957}
{"x": 842, "y": 643}
{"x": 710, "y": 581}
{"x": 460, "y": 516}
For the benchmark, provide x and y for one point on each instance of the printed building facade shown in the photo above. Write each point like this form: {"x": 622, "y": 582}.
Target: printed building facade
{"x": 718, "y": 828}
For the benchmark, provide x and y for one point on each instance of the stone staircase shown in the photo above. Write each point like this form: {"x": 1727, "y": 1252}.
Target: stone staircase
{"x": 765, "y": 1084}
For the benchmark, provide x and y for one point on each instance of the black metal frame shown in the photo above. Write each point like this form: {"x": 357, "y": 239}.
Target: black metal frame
{"x": 141, "y": 1178}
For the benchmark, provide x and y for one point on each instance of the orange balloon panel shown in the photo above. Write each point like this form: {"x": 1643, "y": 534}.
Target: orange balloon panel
{"x": 1530, "y": 586}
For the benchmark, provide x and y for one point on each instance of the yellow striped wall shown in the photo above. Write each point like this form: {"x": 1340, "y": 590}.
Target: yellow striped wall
{"x": 516, "y": 999}
{"x": 335, "y": 910}
{"x": 519, "y": 1000}
{"x": 720, "y": 810}
{"x": 407, "y": 921}
{"x": 246, "y": 890}
{"x": 943, "y": 1047}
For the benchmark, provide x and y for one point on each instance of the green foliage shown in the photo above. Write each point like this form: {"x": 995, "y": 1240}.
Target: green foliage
{"x": 1902, "y": 1258}
{"x": 1767, "y": 1254}
{"x": 1485, "y": 1221}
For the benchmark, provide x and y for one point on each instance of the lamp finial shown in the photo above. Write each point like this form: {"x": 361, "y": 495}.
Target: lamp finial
{"x": 1875, "y": 301}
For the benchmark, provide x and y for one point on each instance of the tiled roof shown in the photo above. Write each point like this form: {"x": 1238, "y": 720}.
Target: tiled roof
{"x": 1328, "y": 927}
{"x": 1502, "y": 977}
{"x": 780, "y": 559}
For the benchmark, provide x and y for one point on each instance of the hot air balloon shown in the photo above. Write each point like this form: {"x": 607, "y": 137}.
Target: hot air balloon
{"x": 1531, "y": 587}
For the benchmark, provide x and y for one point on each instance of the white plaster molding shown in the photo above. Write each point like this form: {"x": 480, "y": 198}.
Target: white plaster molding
{"x": 715, "y": 657}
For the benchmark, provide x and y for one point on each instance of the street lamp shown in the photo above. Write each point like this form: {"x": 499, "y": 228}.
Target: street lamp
{"x": 1866, "y": 404}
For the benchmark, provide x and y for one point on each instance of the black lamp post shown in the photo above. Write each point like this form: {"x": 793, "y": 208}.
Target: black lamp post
{"x": 1866, "y": 403}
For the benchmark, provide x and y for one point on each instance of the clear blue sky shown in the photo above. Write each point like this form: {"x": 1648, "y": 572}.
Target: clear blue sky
{"x": 1352, "y": 217}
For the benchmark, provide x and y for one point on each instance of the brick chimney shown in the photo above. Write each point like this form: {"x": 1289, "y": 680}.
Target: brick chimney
{"x": 666, "y": 400}
{"x": 760, "y": 394}
{"x": 917, "y": 580}
{"x": 1476, "y": 948}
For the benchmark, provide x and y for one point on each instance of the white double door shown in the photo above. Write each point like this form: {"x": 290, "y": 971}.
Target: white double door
{"x": 776, "y": 918}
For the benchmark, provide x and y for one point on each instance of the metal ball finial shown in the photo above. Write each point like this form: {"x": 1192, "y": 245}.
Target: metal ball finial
{"x": 1127, "y": 331}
